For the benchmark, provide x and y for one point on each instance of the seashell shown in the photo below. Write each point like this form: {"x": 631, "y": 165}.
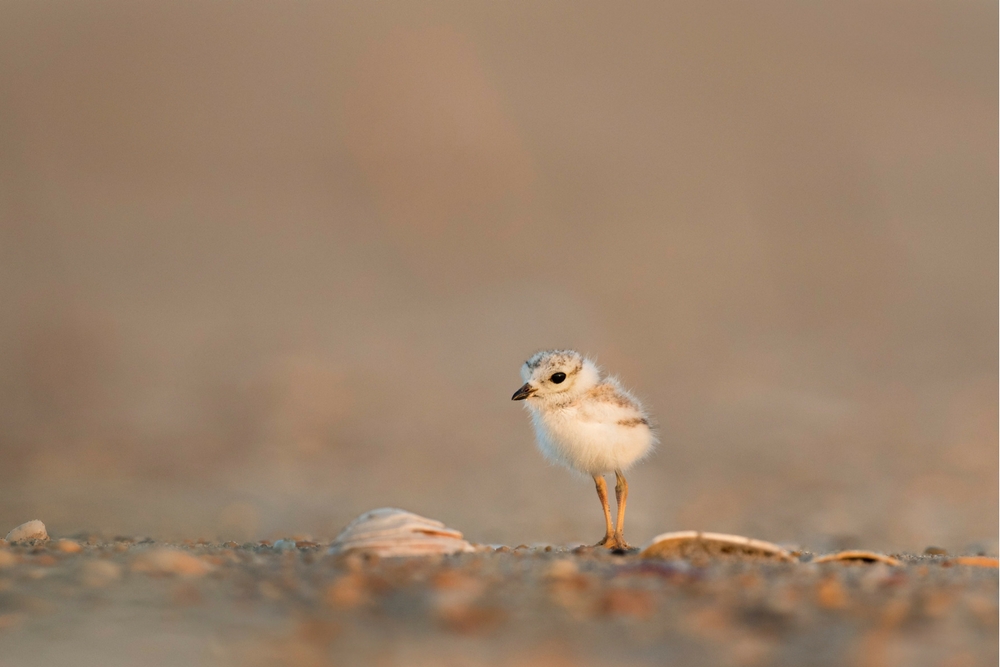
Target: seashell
{"x": 32, "y": 530}
{"x": 858, "y": 557}
{"x": 392, "y": 532}
{"x": 974, "y": 561}
{"x": 689, "y": 544}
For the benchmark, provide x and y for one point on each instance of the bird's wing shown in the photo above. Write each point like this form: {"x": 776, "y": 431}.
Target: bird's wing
{"x": 609, "y": 403}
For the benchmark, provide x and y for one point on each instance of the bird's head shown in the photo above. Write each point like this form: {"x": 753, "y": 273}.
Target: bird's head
{"x": 554, "y": 376}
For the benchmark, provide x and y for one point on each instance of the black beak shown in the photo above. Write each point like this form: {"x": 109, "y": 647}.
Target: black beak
{"x": 523, "y": 393}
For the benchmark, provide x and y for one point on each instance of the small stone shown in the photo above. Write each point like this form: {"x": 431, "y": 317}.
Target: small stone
{"x": 99, "y": 573}
{"x": 269, "y": 590}
{"x": 935, "y": 551}
{"x": 32, "y": 530}
{"x": 626, "y": 602}
{"x": 830, "y": 594}
{"x": 283, "y": 545}
{"x": 7, "y": 559}
{"x": 185, "y": 595}
{"x": 347, "y": 592}
{"x": 68, "y": 546}
{"x": 564, "y": 568}
{"x": 167, "y": 561}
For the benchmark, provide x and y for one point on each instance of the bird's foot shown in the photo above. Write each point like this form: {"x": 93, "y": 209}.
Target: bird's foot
{"x": 618, "y": 543}
{"x": 614, "y": 543}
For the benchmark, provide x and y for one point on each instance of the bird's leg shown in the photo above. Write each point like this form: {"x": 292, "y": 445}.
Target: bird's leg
{"x": 621, "y": 495}
{"x": 602, "y": 493}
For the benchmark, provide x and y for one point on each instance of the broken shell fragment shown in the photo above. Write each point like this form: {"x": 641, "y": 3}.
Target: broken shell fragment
{"x": 694, "y": 544}
{"x": 389, "y": 532}
{"x": 858, "y": 557}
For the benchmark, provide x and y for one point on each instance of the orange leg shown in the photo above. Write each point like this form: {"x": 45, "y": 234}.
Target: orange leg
{"x": 602, "y": 493}
{"x": 621, "y": 495}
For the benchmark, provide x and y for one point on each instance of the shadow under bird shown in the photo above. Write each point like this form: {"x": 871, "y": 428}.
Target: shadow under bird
{"x": 587, "y": 422}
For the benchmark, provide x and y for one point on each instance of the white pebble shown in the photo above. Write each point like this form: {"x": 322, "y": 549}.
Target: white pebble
{"x": 32, "y": 530}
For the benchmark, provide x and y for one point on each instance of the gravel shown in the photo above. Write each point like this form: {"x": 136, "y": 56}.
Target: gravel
{"x": 118, "y": 602}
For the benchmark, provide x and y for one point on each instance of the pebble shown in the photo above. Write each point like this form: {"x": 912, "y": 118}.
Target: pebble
{"x": 165, "y": 561}
{"x": 347, "y": 591}
{"x": 32, "y": 530}
{"x": 7, "y": 559}
{"x": 563, "y": 568}
{"x": 99, "y": 573}
{"x": 68, "y": 546}
{"x": 627, "y": 602}
{"x": 830, "y": 593}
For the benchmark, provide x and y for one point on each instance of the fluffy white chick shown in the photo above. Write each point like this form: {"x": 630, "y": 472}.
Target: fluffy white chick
{"x": 587, "y": 423}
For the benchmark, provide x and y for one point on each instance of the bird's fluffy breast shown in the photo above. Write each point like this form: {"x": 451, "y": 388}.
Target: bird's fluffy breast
{"x": 604, "y": 430}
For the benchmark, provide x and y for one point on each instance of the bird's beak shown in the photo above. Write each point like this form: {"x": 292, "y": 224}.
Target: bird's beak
{"x": 524, "y": 392}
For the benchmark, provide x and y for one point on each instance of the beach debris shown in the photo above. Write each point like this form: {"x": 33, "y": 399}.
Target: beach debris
{"x": 32, "y": 530}
{"x": 167, "y": 561}
{"x": 694, "y": 544}
{"x": 857, "y": 556}
{"x": 390, "y": 532}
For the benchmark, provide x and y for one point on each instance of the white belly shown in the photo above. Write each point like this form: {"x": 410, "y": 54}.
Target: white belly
{"x": 588, "y": 446}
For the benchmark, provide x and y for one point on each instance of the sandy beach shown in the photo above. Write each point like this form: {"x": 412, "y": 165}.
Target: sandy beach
{"x": 94, "y": 601}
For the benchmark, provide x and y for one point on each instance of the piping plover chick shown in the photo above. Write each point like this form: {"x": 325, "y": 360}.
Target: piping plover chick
{"x": 587, "y": 423}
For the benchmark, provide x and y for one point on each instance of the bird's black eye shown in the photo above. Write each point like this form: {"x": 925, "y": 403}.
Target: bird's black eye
{"x": 558, "y": 377}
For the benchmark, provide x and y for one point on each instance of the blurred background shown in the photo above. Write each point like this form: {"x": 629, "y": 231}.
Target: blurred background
{"x": 267, "y": 265}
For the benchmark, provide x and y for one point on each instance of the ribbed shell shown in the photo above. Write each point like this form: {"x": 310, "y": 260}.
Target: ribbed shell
{"x": 390, "y": 532}
{"x": 693, "y": 543}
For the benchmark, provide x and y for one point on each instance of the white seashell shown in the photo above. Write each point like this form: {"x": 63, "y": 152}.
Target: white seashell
{"x": 32, "y": 530}
{"x": 392, "y": 532}
{"x": 694, "y": 543}
{"x": 858, "y": 557}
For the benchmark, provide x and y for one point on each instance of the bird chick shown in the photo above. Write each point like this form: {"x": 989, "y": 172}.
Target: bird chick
{"x": 587, "y": 423}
